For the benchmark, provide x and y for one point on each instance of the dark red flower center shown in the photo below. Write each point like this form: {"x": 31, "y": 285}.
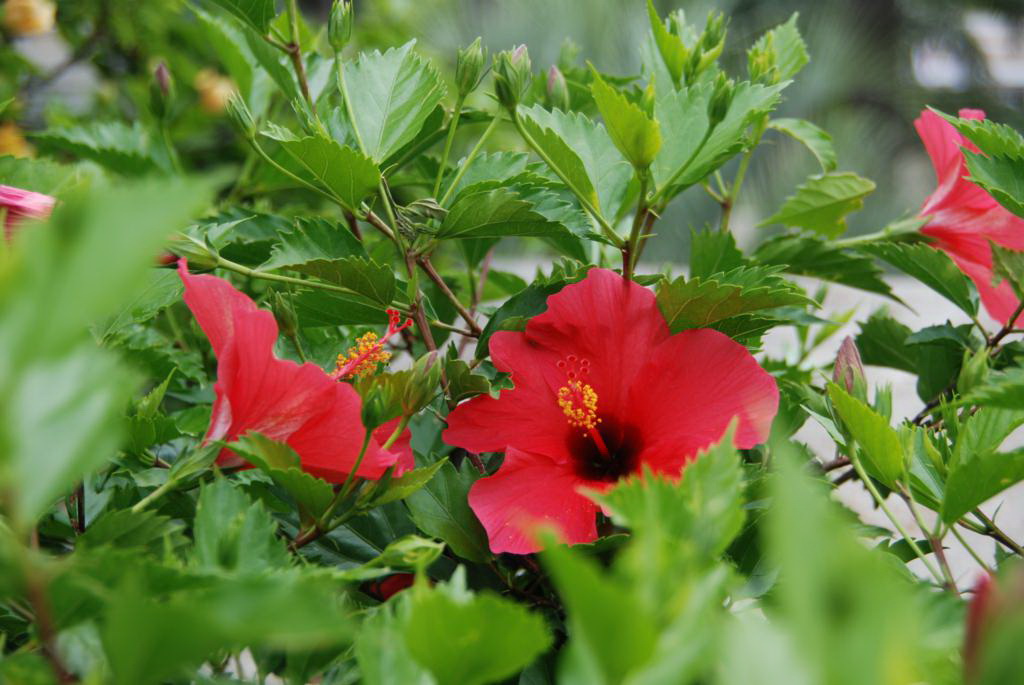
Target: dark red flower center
{"x": 604, "y": 450}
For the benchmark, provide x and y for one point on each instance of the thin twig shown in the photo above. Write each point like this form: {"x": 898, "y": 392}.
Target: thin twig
{"x": 466, "y": 315}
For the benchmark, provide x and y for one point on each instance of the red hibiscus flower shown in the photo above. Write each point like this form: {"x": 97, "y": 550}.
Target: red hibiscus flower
{"x": 963, "y": 218}
{"x": 300, "y": 405}
{"x": 18, "y": 204}
{"x": 602, "y": 390}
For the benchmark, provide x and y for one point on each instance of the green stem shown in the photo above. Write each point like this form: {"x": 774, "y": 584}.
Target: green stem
{"x": 606, "y": 228}
{"x": 295, "y": 50}
{"x": 402, "y": 424}
{"x": 895, "y": 522}
{"x": 343, "y": 492}
{"x": 155, "y": 495}
{"x": 970, "y": 550}
{"x": 448, "y": 144}
{"x": 469, "y": 158}
{"x": 993, "y": 530}
{"x": 629, "y": 250}
{"x": 934, "y": 540}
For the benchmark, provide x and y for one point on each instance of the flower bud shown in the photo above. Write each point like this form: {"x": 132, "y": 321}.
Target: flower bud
{"x": 241, "y": 117}
{"x": 712, "y": 41}
{"x": 973, "y": 372}
{"x": 761, "y": 61}
{"x": 339, "y": 25}
{"x": 198, "y": 254}
{"x": 557, "y": 89}
{"x": 676, "y": 24}
{"x": 568, "y": 53}
{"x": 469, "y": 67}
{"x": 214, "y": 90}
{"x": 422, "y": 386}
{"x": 12, "y": 141}
{"x": 511, "y": 76}
{"x": 284, "y": 314}
{"x": 29, "y": 17}
{"x": 848, "y": 372}
{"x": 721, "y": 99}
{"x": 161, "y": 91}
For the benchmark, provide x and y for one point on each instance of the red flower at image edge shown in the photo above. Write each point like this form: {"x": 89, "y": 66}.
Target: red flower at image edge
{"x": 20, "y": 204}
{"x": 602, "y": 389}
{"x": 300, "y": 405}
{"x": 963, "y": 218}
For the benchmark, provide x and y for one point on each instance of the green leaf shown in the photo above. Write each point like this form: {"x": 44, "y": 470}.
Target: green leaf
{"x": 822, "y": 203}
{"x": 671, "y": 47}
{"x": 347, "y": 174}
{"x": 1008, "y": 265}
{"x": 408, "y": 483}
{"x": 49, "y": 297}
{"x": 815, "y": 139}
{"x": 1004, "y": 389}
{"x": 162, "y": 289}
{"x": 929, "y": 266}
{"x": 256, "y": 13}
{"x": 1001, "y": 176}
{"x": 636, "y": 135}
{"x": 609, "y": 173}
{"x": 713, "y": 252}
{"x": 978, "y": 477}
{"x": 789, "y": 47}
{"x": 478, "y": 640}
{"x": 114, "y": 145}
{"x": 491, "y": 166}
{"x": 127, "y": 529}
{"x": 561, "y": 155}
{"x": 991, "y": 137}
{"x": 684, "y": 112}
{"x": 495, "y": 213}
{"x": 463, "y": 383}
{"x": 810, "y": 256}
{"x": 699, "y": 303}
{"x": 38, "y": 175}
{"x": 381, "y": 652}
{"x": 610, "y": 633}
{"x": 317, "y": 308}
{"x": 279, "y": 461}
{"x": 233, "y": 534}
{"x": 878, "y": 441}
{"x": 882, "y": 341}
{"x": 441, "y": 509}
{"x": 392, "y": 94}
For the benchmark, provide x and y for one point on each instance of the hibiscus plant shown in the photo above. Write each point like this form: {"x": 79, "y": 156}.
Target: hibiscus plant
{"x": 277, "y": 403}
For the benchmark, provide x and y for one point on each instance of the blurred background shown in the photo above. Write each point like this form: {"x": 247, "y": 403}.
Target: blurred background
{"x": 874, "y": 65}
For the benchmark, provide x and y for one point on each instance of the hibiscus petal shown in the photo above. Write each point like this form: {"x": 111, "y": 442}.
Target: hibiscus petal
{"x": 528, "y": 416}
{"x": 21, "y": 204}
{"x": 694, "y": 384}
{"x": 296, "y": 404}
{"x": 943, "y": 143}
{"x": 531, "y": 490}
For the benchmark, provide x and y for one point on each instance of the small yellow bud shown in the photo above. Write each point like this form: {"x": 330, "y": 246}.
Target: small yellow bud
{"x": 29, "y": 17}
{"x": 12, "y": 142}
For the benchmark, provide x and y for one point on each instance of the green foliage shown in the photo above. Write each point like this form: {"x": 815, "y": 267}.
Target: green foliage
{"x": 635, "y": 134}
{"x": 441, "y": 509}
{"x": 815, "y": 139}
{"x": 822, "y": 203}
{"x": 256, "y": 13}
{"x": 878, "y": 443}
{"x": 931, "y": 267}
{"x": 115, "y": 146}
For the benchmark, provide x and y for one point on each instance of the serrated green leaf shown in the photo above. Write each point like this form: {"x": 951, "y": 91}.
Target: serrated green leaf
{"x": 1004, "y": 389}
{"x": 698, "y": 303}
{"x": 481, "y": 639}
{"x": 483, "y": 212}
{"x": 684, "y": 112}
{"x": 561, "y": 156}
{"x": 127, "y": 529}
{"x": 256, "y": 13}
{"x": 408, "y": 483}
{"x": 441, "y": 509}
{"x": 789, "y": 47}
{"x": 317, "y": 308}
{"x": 347, "y": 174}
{"x": 234, "y": 534}
{"x": 929, "y": 266}
{"x": 605, "y": 166}
{"x": 822, "y": 203}
{"x": 878, "y": 442}
{"x": 882, "y": 341}
{"x": 38, "y": 175}
{"x": 810, "y": 256}
{"x": 463, "y": 383}
{"x": 978, "y": 477}
{"x": 489, "y": 166}
{"x": 991, "y": 137}
{"x": 113, "y": 145}
{"x": 392, "y": 94}
{"x": 282, "y": 464}
{"x": 815, "y": 139}
{"x": 1001, "y": 176}
{"x": 713, "y": 252}
{"x": 636, "y": 135}
{"x": 1008, "y": 265}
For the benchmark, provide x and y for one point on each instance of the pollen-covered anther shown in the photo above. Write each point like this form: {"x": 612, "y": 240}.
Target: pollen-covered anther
{"x": 579, "y": 404}
{"x": 362, "y": 358}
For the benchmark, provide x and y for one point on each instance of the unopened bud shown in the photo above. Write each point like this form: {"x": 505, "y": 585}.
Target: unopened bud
{"x": 761, "y": 61}
{"x": 469, "y": 67}
{"x": 161, "y": 91}
{"x": 423, "y": 385}
{"x": 848, "y": 372}
{"x": 712, "y": 41}
{"x": 339, "y": 25}
{"x": 568, "y": 54}
{"x": 557, "y": 89}
{"x": 511, "y": 76}
{"x": 241, "y": 117}
{"x": 215, "y": 90}
{"x": 676, "y": 23}
{"x": 721, "y": 99}
{"x": 284, "y": 314}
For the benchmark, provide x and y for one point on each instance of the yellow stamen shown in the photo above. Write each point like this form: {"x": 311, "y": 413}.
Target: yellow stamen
{"x": 579, "y": 404}
{"x": 368, "y": 353}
